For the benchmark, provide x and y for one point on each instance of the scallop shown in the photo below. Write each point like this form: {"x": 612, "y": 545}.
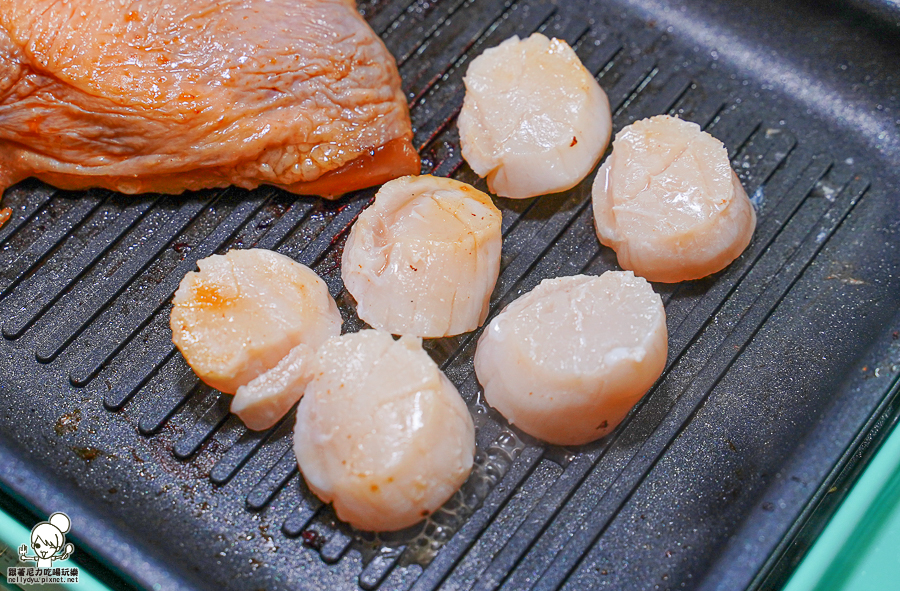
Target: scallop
{"x": 534, "y": 120}
{"x": 381, "y": 432}
{"x": 244, "y": 311}
{"x": 567, "y": 361}
{"x": 423, "y": 259}
{"x": 668, "y": 202}
{"x": 270, "y": 395}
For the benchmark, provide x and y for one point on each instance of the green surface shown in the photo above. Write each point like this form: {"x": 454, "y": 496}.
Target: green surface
{"x": 12, "y": 535}
{"x": 859, "y": 550}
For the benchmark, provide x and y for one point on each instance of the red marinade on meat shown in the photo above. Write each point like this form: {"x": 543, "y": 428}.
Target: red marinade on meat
{"x": 150, "y": 95}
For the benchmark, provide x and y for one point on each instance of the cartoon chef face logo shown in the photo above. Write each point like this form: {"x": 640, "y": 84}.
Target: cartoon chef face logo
{"x": 48, "y": 541}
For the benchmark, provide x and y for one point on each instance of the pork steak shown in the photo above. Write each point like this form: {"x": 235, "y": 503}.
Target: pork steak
{"x": 153, "y": 95}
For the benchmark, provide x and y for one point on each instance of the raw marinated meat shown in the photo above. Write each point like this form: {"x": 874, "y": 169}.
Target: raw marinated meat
{"x": 152, "y": 95}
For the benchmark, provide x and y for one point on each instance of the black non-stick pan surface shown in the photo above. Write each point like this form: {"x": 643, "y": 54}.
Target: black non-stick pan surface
{"x": 782, "y": 369}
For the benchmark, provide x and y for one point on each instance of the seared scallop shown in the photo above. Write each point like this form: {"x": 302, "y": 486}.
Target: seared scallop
{"x": 424, "y": 258}
{"x": 244, "y": 311}
{"x": 534, "y": 120}
{"x": 668, "y": 202}
{"x": 270, "y": 395}
{"x": 381, "y": 432}
{"x": 567, "y": 361}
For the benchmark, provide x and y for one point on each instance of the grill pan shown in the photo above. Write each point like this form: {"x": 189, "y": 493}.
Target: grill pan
{"x": 782, "y": 371}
